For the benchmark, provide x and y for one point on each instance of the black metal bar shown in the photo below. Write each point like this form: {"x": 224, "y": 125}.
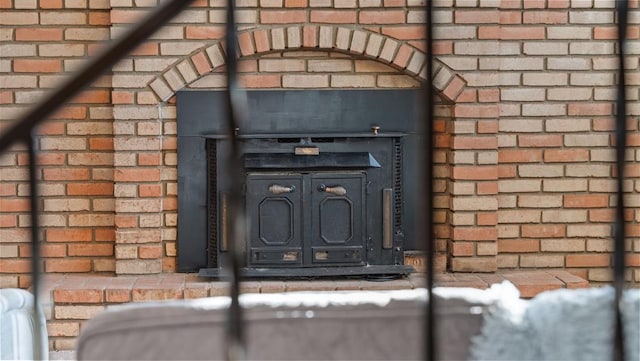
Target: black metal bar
{"x": 621, "y": 144}
{"x": 35, "y": 247}
{"x": 426, "y": 208}
{"x": 234, "y": 103}
{"x": 92, "y": 70}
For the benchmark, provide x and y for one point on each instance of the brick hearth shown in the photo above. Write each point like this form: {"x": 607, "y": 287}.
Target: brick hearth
{"x": 72, "y": 300}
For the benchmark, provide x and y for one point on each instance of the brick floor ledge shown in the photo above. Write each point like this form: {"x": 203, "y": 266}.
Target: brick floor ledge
{"x": 71, "y": 300}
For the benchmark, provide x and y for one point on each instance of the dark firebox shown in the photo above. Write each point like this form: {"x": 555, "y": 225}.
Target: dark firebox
{"x": 324, "y": 186}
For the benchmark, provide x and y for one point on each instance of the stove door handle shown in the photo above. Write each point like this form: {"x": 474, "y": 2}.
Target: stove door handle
{"x": 337, "y": 190}
{"x": 278, "y": 189}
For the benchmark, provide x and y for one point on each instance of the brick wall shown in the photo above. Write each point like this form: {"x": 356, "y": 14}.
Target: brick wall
{"x": 524, "y": 163}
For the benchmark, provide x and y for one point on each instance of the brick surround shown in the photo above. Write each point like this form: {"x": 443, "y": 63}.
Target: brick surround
{"x": 524, "y": 160}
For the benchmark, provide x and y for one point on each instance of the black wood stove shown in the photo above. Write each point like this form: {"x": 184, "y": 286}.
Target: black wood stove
{"x": 319, "y": 202}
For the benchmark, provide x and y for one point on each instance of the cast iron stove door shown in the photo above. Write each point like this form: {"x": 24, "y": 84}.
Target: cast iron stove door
{"x": 274, "y": 210}
{"x": 337, "y": 219}
{"x": 305, "y": 220}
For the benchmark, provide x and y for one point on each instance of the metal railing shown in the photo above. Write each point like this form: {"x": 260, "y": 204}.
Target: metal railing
{"x": 22, "y": 132}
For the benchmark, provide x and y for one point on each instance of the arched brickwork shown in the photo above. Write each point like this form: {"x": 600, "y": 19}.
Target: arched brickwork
{"x": 356, "y": 42}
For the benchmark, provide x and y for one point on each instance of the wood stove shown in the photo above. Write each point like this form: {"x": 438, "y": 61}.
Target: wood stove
{"x": 319, "y": 202}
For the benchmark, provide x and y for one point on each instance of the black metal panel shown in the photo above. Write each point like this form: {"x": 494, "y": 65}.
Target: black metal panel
{"x": 353, "y": 160}
{"x": 192, "y": 204}
{"x": 308, "y": 111}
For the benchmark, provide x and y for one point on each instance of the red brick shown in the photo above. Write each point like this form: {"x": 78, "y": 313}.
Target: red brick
{"x": 150, "y": 159}
{"x": 14, "y": 205}
{"x": 77, "y": 296}
{"x": 170, "y": 204}
{"x": 295, "y": 3}
{"x": 96, "y": 143}
{"x": 96, "y": 189}
{"x": 52, "y": 4}
{"x": 588, "y": 260}
{"x": 90, "y": 250}
{"x": 543, "y": 230}
{"x": 67, "y": 265}
{"x": 487, "y": 188}
{"x": 475, "y": 233}
{"x": 15, "y": 266}
{"x": 452, "y": 91}
{"x": 99, "y": 18}
{"x": 204, "y": 32}
{"x": 201, "y": 63}
{"x": 470, "y": 142}
{"x": 70, "y": 112}
{"x": 105, "y": 235}
{"x": 402, "y": 56}
{"x": 462, "y": 249}
{"x": 46, "y": 250}
{"x": 590, "y": 109}
{"x": 310, "y": 36}
{"x": 149, "y": 252}
{"x": 260, "y": 81}
{"x": 39, "y": 34}
{"x": 92, "y": 97}
{"x": 518, "y": 245}
{"x": 519, "y": 156}
{"x": 150, "y": 190}
{"x": 566, "y": 155}
{"x": 37, "y": 65}
{"x": 487, "y": 219}
{"x": 489, "y": 32}
{"x": 69, "y": 235}
{"x": 474, "y": 172}
{"x": 586, "y": 201}
{"x": 56, "y": 174}
{"x": 7, "y": 221}
{"x": 118, "y": 295}
{"x": 137, "y": 175}
{"x": 148, "y": 48}
{"x": 48, "y": 159}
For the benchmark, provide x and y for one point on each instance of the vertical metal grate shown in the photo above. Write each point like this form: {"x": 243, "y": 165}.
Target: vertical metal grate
{"x": 397, "y": 184}
{"x": 212, "y": 209}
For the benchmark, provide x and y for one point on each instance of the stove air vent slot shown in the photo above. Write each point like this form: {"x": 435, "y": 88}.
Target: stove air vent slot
{"x": 346, "y": 160}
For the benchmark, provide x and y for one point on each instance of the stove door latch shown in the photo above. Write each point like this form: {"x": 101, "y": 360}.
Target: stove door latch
{"x": 278, "y": 189}
{"x": 337, "y": 190}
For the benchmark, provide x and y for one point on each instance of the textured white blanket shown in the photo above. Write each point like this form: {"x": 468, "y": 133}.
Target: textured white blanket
{"x": 558, "y": 325}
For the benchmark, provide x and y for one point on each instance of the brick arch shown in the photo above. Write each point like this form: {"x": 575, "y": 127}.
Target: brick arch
{"x": 358, "y": 42}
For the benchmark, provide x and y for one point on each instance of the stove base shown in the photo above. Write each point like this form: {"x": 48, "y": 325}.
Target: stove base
{"x": 371, "y": 271}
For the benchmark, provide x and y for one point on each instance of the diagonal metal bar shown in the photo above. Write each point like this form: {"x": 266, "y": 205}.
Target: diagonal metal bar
{"x": 622, "y": 9}
{"x": 235, "y": 104}
{"x": 426, "y": 207}
{"x": 92, "y": 70}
